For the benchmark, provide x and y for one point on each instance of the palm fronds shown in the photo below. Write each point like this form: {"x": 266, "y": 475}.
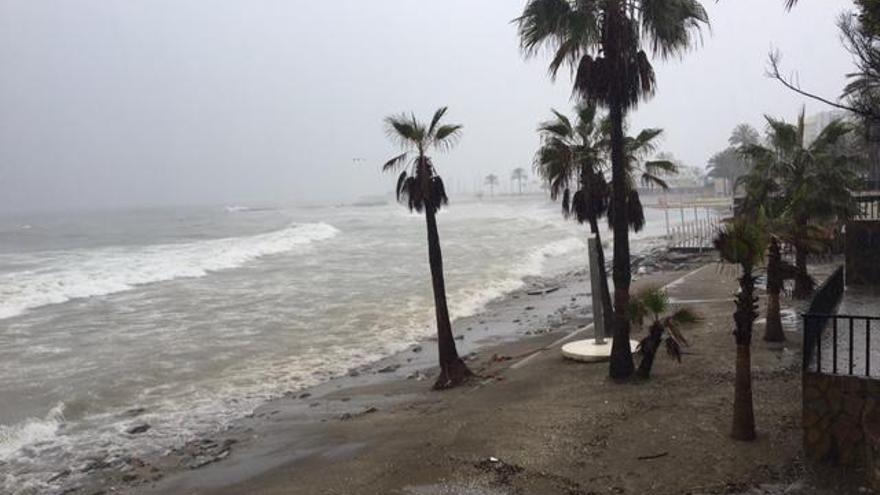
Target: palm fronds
{"x": 418, "y": 185}
{"x": 653, "y": 304}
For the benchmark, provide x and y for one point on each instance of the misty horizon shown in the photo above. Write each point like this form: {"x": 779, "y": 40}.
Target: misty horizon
{"x": 194, "y": 103}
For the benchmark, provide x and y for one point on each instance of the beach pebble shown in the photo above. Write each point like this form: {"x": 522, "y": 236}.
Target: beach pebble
{"x": 418, "y": 376}
{"x": 138, "y": 429}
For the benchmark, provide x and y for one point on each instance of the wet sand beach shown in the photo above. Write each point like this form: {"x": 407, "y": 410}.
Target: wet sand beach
{"x": 531, "y": 423}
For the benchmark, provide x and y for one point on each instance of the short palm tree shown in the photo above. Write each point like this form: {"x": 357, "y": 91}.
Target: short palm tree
{"x": 604, "y": 45}
{"x": 421, "y": 189}
{"x": 571, "y": 157}
{"x": 653, "y": 303}
{"x": 492, "y": 181}
{"x": 807, "y": 184}
{"x": 743, "y": 242}
{"x": 519, "y": 175}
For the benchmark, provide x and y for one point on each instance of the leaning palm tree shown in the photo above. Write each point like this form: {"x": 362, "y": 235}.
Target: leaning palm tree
{"x": 572, "y": 157}
{"x": 807, "y": 183}
{"x": 519, "y": 175}
{"x": 604, "y": 45}
{"x": 492, "y": 181}
{"x": 743, "y": 242}
{"x": 421, "y": 189}
{"x": 653, "y": 303}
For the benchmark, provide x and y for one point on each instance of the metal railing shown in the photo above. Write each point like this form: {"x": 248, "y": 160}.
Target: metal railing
{"x": 822, "y": 307}
{"x": 694, "y": 235}
{"x": 845, "y": 349}
{"x": 868, "y": 206}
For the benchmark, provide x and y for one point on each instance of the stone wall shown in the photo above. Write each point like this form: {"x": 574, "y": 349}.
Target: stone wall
{"x": 842, "y": 421}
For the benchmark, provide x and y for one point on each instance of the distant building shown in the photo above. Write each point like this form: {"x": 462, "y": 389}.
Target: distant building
{"x": 814, "y": 123}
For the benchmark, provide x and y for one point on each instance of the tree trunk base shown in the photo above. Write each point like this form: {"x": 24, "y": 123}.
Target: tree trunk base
{"x": 744, "y": 435}
{"x": 453, "y": 374}
{"x": 773, "y": 330}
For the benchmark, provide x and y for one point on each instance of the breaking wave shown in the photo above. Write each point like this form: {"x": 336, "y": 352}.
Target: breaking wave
{"x": 97, "y": 272}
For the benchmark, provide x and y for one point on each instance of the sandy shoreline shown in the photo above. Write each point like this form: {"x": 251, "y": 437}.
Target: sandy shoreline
{"x": 544, "y": 305}
{"x": 383, "y": 431}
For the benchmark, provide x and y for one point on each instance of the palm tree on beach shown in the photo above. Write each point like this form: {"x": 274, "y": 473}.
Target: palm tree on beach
{"x": 572, "y": 156}
{"x": 519, "y": 175}
{"x": 653, "y": 304}
{"x": 743, "y": 242}
{"x": 492, "y": 181}
{"x": 801, "y": 184}
{"x": 421, "y": 189}
{"x": 604, "y": 45}
{"x": 640, "y": 170}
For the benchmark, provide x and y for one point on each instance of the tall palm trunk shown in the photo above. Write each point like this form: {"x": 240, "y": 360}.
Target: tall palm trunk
{"x": 803, "y": 284}
{"x": 607, "y": 308}
{"x": 622, "y": 365}
{"x": 743, "y": 410}
{"x": 773, "y": 331}
{"x": 453, "y": 371}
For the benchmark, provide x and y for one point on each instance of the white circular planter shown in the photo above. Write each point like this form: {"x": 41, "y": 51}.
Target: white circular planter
{"x": 588, "y": 351}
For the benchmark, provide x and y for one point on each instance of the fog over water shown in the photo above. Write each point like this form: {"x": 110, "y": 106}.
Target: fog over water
{"x": 110, "y": 104}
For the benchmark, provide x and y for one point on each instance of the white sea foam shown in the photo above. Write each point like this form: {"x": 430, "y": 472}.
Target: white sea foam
{"x": 469, "y": 302}
{"x": 63, "y": 276}
{"x": 29, "y": 432}
{"x": 236, "y": 209}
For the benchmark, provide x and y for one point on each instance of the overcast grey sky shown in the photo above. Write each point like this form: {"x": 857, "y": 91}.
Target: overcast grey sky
{"x": 108, "y": 103}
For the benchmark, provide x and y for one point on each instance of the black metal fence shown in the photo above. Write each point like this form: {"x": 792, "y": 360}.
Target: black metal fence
{"x": 822, "y": 308}
{"x": 845, "y": 348}
{"x": 868, "y": 206}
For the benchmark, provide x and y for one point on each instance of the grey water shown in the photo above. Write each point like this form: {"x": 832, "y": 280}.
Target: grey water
{"x": 189, "y": 318}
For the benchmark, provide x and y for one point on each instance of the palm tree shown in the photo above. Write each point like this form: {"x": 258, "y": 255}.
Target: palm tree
{"x": 743, "y": 242}
{"x": 744, "y": 135}
{"x": 492, "y": 181}
{"x": 603, "y": 43}
{"x": 639, "y": 169}
{"x": 653, "y": 303}
{"x": 518, "y": 176}
{"x": 727, "y": 165}
{"x": 807, "y": 183}
{"x": 572, "y": 156}
{"x": 420, "y": 188}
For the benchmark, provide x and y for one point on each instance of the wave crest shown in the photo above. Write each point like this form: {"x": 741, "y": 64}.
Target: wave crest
{"x": 31, "y": 431}
{"x": 70, "y": 275}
